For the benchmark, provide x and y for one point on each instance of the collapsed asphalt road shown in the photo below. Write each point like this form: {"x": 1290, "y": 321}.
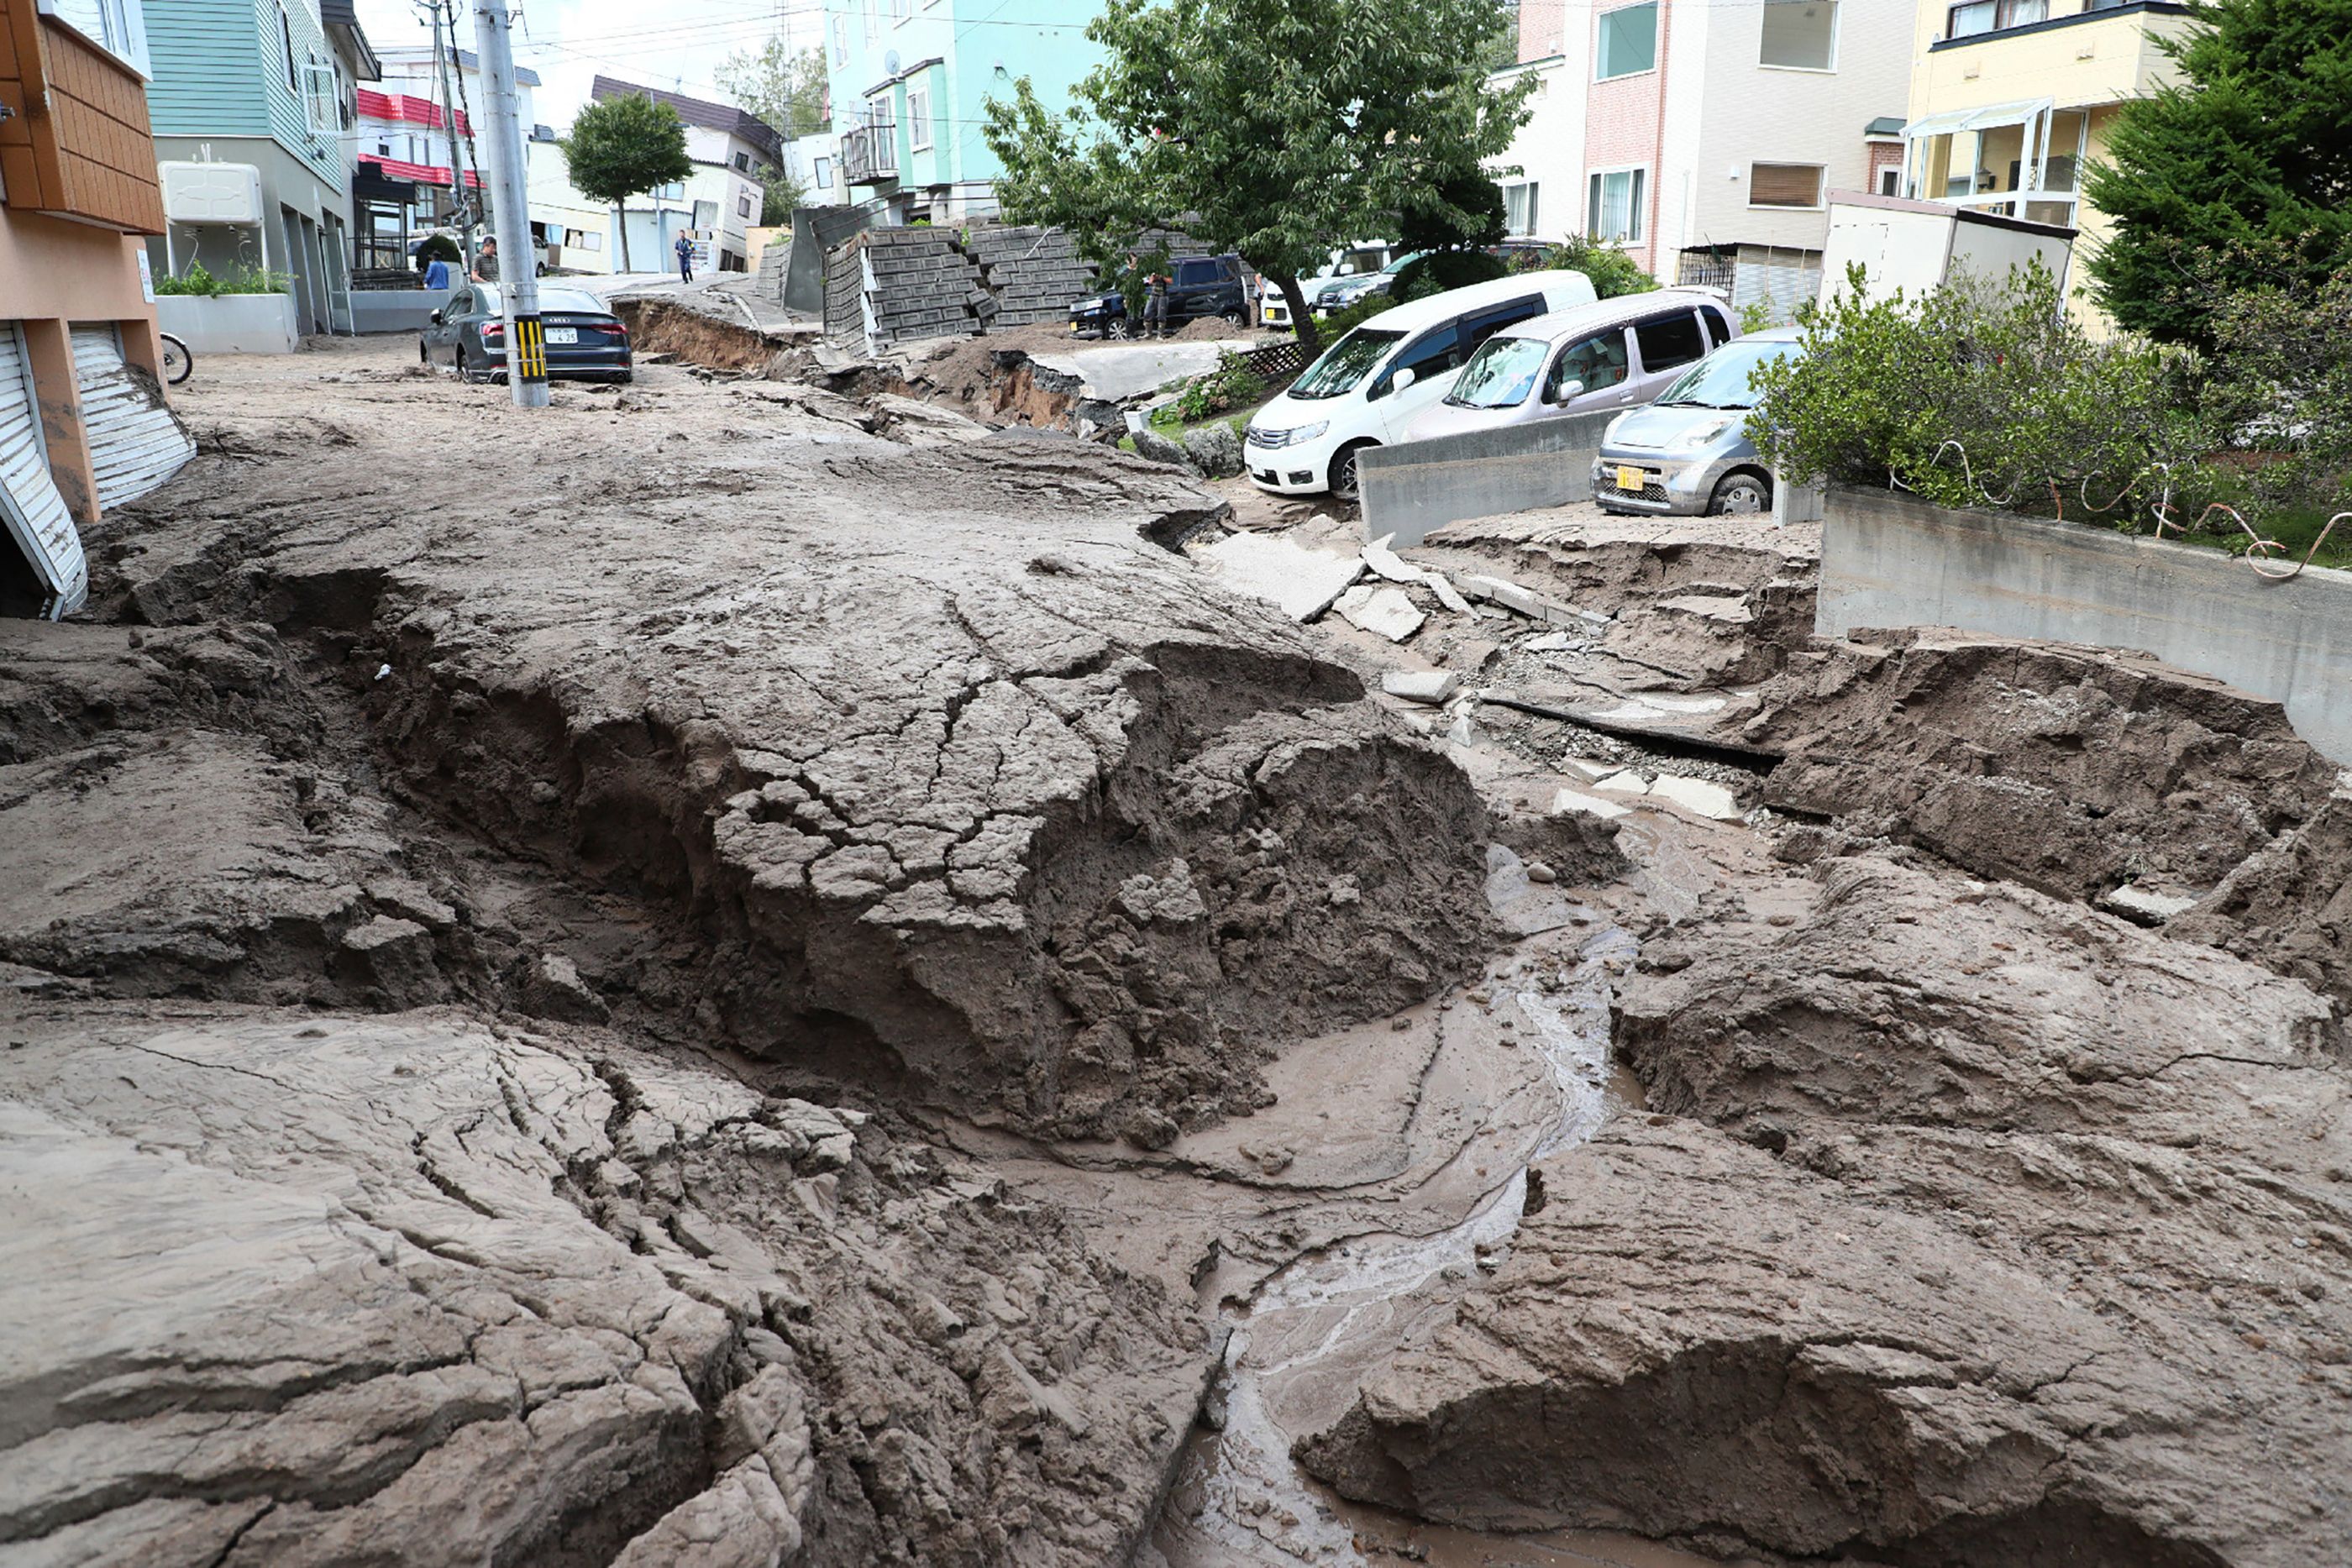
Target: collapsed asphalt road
{"x": 732, "y": 975}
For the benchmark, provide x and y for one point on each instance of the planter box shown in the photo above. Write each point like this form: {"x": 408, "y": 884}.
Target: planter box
{"x": 1891, "y": 560}
{"x": 231, "y": 323}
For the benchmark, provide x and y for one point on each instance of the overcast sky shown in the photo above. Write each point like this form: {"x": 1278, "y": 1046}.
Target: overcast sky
{"x": 671, "y": 44}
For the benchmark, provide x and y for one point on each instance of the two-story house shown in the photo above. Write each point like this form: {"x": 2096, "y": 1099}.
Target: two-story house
{"x": 909, "y": 81}
{"x": 83, "y": 426}
{"x": 2012, "y": 99}
{"x": 269, "y": 87}
{"x": 1703, "y": 139}
{"x": 719, "y": 200}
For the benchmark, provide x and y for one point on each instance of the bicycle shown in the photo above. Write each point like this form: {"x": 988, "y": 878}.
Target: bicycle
{"x": 178, "y": 364}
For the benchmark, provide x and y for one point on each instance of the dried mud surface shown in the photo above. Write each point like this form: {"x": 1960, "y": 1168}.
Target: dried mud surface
{"x": 755, "y": 973}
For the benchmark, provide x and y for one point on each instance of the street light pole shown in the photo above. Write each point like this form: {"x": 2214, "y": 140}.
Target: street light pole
{"x": 510, "y": 182}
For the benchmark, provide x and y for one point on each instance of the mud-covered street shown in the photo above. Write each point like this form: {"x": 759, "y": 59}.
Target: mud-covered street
{"x": 735, "y": 972}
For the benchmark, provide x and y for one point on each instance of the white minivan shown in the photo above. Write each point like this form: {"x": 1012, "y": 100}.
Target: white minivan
{"x": 1371, "y": 384}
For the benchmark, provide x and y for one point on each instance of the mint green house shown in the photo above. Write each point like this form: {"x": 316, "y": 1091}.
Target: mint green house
{"x": 908, "y": 80}
{"x": 269, "y": 86}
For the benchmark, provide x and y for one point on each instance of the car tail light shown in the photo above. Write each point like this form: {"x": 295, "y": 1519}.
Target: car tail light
{"x": 494, "y": 328}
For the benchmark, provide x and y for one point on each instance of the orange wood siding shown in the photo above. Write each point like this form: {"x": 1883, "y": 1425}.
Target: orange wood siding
{"x": 78, "y": 146}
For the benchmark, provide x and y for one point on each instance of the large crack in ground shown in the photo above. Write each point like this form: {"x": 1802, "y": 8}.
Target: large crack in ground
{"x": 786, "y": 996}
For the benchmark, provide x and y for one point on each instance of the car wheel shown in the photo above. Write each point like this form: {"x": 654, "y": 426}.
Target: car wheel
{"x": 1231, "y": 318}
{"x": 1343, "y": 470}
{"x": 1741, "y": 494}
{"x": 1117, "y": 331}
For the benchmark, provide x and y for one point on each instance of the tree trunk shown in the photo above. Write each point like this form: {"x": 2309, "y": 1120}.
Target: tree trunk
{"x": 621, "y": 222}
{"x": 1302, "y": 319}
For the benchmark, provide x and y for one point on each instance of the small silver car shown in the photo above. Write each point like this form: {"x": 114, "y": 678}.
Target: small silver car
{"x": 1689, "y": 454}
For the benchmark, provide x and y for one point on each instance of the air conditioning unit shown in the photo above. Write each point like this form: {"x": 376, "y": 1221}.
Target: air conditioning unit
{"x": 211, "y": 193}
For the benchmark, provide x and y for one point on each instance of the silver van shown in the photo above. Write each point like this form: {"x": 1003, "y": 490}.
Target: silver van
{"x": 1591, "y": 359}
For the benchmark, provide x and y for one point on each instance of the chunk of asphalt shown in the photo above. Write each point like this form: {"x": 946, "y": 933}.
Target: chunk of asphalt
{"x": 1383, "y": 612}
{"x": 1302, "y": 582}
{"x": 1432, "y": 687}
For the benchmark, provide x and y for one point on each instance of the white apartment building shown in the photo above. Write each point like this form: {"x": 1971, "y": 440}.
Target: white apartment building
{"x": 1704, "y": 136}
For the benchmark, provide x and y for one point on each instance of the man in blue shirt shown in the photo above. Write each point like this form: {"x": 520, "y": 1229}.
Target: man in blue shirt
{"x": 436, "y": 273}
{"x": 685, "y": 248}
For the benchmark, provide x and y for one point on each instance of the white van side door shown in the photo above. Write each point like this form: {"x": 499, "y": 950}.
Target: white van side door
{"x": 1433, "y": 356}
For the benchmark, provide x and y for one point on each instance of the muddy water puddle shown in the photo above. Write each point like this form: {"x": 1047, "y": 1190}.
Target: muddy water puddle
{"x": 1304, "y": 1337}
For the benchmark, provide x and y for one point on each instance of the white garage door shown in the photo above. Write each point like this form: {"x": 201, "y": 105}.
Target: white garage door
{"x": 38, "y": 521}
{"x": 134, "y": 443}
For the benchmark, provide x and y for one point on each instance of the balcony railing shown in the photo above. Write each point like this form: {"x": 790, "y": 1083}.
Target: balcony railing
{"x": 869, "y": 155}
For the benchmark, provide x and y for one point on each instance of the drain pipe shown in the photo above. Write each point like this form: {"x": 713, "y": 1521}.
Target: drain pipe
{"x": 1658, "y": 150}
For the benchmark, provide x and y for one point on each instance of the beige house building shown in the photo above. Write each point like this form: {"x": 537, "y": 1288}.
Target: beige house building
{"x": 2012, "y": 100}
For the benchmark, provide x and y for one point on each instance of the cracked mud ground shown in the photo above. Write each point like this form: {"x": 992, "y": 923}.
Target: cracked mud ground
{"x": 680, "y": 981}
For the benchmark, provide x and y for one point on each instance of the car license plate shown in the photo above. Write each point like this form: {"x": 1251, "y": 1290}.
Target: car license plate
{"x": 1628, "y": 479}
{"x": 563, "y": 334}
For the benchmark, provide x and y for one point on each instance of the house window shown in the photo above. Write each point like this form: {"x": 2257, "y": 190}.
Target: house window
{"x": 1519, "y": 208}
{"x": 1613, "y": 210}
{"x": 742, "y": 204}
{"x": 872, "y": 25}
{"x": 1784, "y": 184}
{"x": 841, "y": 40}
{"x": 1890, "y": 181}
{"x": 286, "y": 41}
{"x": 1974, "y": 16}
{"x": 902, "y": 9}
{"x": 824, "y": 173}
{"x": 1628, "y": 43}
{"x": 319, "y": 95}
{"x": 918, "y": 120}
{"x": 1800, "y": 35}
{"x": 742, "y": 161}
{"x": 115, "y": 26}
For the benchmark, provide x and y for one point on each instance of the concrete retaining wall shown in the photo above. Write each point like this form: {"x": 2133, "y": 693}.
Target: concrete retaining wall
{"x": 1410, "y": 489}
{"x": 396, "y": 309}
{"x": 231, "y": 323}
{"x": 1892, "y": 560}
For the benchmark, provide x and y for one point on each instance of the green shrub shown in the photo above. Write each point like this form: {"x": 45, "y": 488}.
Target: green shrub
{"x": 1612, "y": 270}
{"x": 1984, "y": 391}
{"x": 441, "y": 246}
{"x": 205, "y": 284}
{"x": 1232, "y": 385}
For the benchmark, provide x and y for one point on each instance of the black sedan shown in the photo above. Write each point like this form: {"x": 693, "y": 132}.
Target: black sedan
{"x": 585, "y": 341}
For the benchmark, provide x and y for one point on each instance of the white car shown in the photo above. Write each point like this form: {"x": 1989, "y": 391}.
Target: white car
{"x": 1368, "y": 387}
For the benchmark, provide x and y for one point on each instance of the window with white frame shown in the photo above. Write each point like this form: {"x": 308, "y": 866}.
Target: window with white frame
{"x": 115, "y": 26}
{"x": 824, "y": 173}
{"x": 873, "y": 22}
{"x": 841, "y": 40}
{"x": 742, "y": 204}
{"x": 1800, "y": 35}
{"x": 319, "y": 86}
{"x": 1627, "y": 41}
{"x": 1890, "y": 181}
{"x": 1519, "y": 208}
{"x": 1784, "y": 184}
{"x": 1613, "y": 207}
{"x": 286, "y": 41}
{"x": 918, "y": 120}
{"x": 901, "y": 9}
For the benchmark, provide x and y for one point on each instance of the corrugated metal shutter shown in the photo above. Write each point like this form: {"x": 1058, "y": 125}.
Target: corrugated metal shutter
{"x": 134, "y": 443}
{"x": 34, "y": 512}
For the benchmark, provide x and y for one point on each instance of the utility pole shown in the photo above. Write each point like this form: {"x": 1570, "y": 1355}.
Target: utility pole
{"x": 460, "y": 211}
{"x": 510, "y": 205}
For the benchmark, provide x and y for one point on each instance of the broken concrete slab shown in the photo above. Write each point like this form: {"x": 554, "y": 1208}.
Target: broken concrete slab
{"x": 1523, "y": 601}
{"x": 1591, "y": 805}
{"x": 1302, "y": 582}
{"x": 1384, "y": 611}
{"x": 2145, "y": 905}
{"x": 1709, "y": 799}
{"x": 1432, "y": 687}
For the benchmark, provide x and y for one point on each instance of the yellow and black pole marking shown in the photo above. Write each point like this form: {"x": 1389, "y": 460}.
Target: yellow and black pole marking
{"x": 530, "y": 348}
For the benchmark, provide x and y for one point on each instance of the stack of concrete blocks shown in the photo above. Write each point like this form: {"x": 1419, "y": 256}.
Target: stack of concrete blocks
{"x": 1035, "y": 274}
{"x": 846, "y": 326}
{"x": 920, "y": 284}
{"x": 774, "y": 261}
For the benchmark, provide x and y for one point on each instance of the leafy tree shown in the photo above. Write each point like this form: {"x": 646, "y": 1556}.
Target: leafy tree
{"x": 622, "y": 147}
{"x": 1272, "y": 128}
{"x": 779, "y": 194}
{"x": 2237, "y": 174}
{"x": 786, "y": 89}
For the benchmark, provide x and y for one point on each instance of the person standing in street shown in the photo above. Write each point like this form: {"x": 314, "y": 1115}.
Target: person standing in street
{"x": 685, "y": 248}
{"x": 486, "y": 264}
{"x": 1155, "y": 306}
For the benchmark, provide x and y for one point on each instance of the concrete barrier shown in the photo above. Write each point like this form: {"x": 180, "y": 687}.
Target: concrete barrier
{"x": 1891, "y": 560}
{"x": 231, "y": 323}
{"x": 1410, "y": 489}
{"x": 396, "y": 309}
